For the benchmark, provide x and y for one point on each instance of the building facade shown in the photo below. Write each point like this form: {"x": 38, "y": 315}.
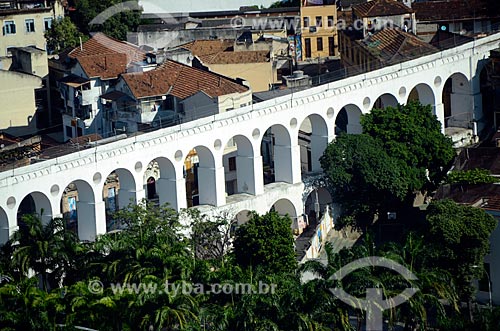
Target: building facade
{"x": 319, "y": 29}
{"x": 24, "y": 22}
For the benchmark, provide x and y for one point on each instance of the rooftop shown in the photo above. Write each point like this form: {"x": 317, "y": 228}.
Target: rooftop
{"x": 222, "y": 52}
{"x": 435, "y": 11}
{"x": 381, "y": 8}
{"x": 181, "y": 81}
{"x": 393, "y": 45}
{"x": 105, "y": 57}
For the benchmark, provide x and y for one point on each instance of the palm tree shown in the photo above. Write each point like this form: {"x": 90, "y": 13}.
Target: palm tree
{"x": 48, "y": 249}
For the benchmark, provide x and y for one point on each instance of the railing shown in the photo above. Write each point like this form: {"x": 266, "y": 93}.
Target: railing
{"x": 60, "y": 150}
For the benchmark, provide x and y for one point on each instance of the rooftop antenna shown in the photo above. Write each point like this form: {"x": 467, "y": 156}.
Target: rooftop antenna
{"x": 81, "y": 44}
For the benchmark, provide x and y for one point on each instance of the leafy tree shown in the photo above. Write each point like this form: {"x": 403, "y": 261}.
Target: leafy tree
{"x": 23, "y": 306}
{"x": 211, "y": 237}
{"x": 412, "y": 134}
{"x": 267, "y": 242}
{"x": 48, "y": 249}
{"x": 63, "y": 34}
{"x": 124, "y": 19}
{"x": 458, "y": 240}
{"x": 151, "y": 243}
{"x": 364, "y": 178}
{"x": 473, "y": 176}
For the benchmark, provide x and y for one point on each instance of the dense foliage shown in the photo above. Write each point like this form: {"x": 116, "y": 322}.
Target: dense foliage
{"x": 151, "y": 276}
{"x": 458, "y": 236}
{"x": 63, "y": 34}
{"x": 364, "y": 178}
{"x": 412, "y": 134}
{"x": 266, "y": 242}
{"x": 121, "y": 16}
{"x": 401, "y": 152}
{"x": 473, "y": 176}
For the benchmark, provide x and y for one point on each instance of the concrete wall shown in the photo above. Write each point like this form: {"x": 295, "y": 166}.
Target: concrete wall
{"x": 17, "y": 102}
{"x": 258, "y": 75}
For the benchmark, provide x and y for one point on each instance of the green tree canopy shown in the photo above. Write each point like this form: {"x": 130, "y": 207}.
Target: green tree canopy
{"x": 364, "y": 178}
{"x": 458, "y": 239}
{"x": 63, "y": 34}
{"x": 473, "y": 176}
{"x": 412, "y": 134}
{"x": 124, "y": 20}
{"x": 267, "y": 242}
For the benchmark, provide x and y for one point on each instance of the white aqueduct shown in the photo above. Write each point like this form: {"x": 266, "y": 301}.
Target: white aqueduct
{"x": 88, "y": 169}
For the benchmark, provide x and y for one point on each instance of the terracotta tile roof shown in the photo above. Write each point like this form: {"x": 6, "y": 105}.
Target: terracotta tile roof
{"x": 105, "y": 66}
{"x": 222, "y": 52}
{"x": 208, "y": 47}
{"x": 181, "y": 81}
{"x": 393, "y": 45}
{"x": 101, "y": 44}
{"x": 381, "y": 8}
{"x": 240, "y": 57}
{"x": 451, "y": 10}
{"x": 105, "y": 57}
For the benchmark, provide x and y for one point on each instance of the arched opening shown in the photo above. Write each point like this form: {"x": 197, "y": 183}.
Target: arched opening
{"x": 4, "y": 227}
{"x": 285, "y": 207}
{"x": 35, "y": 203}
{"x": 313, "y": 139}
{"x": 242, "y": 217}
{"x": 78, "y": 209}
{"x": 118, "y": 192}
{"x": 424, "y": 94}
{"x": 238, "y": 161}
{"x": 316, "y": 203}
{"x": 458, "y": 102}
{"x": 239, "y": 219}
{"x": 385, "y": 100}
{"x": 276, "y": 155}
{"x": 199, "y": 172}
{"x": 151, "y": 189}
{"x": 348, "y": 120}
{"x": 160, "y": 182}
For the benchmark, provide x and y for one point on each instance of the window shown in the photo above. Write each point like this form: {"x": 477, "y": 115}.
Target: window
{"x": 9, "y": 27}
{"x": 331, "y": 46}
{"x": 306, "y": 22}
{"x": 232, "y": 163}
{"x": 330, "y": 21}
{"x": 69, "y": 131}
{"x": 308, "y": 47}
{"x": 319, "y": 43}
{"x": 30, "y": 25}
{"x": 319, "y": 21}
{"x": 47, "y": 23}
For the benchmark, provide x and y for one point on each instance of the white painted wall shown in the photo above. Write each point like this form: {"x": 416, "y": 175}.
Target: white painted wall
{"x": 284, "y": 114}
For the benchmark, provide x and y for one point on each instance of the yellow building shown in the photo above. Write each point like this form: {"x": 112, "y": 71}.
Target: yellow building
{"x": 24, "y": 22}
{"x": 318, "y": 29}
{"x": 253, "y": 62}
{"x": 21, "y": 90}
